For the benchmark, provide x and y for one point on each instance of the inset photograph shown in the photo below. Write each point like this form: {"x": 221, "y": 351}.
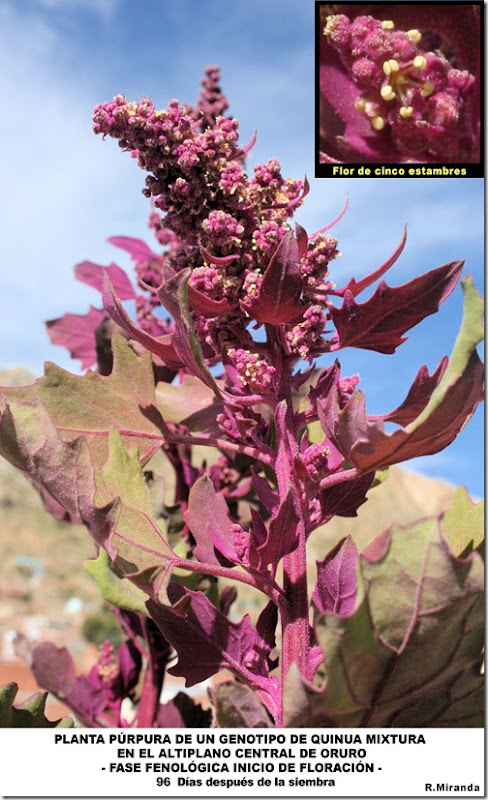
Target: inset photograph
{"x": 399, "y": 83}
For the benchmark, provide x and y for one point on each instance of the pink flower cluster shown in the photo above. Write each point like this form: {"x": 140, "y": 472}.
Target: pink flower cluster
{"x": 415, "y": 92}
{"x": 219, "y": 221}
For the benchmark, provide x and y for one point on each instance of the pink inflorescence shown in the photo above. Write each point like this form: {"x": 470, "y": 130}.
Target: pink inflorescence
{"x": 416, "y": 95}
{"x": 107, "y": 666}
{"x": 253, "y": 371}
{"x": 223, "y": 224}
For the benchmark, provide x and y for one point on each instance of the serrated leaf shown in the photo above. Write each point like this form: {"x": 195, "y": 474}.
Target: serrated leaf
{"x": 410, "y": 654}
{"x": 195, "y": 627}
{"x": 463, "y": 523}
{"x": 470, "y": 334}
{"x": 76, "y": 332}
{"x": 236, "y": 706}
{"x": 119, "y": 592}
{"x": 136, "y": 543}
{"x": 452, "y": 403}
{"x": 161, "y": 346}
{"x": 380, "y": 322}
{"x": 29, "y": 714}
{"x": 90, "y": 405}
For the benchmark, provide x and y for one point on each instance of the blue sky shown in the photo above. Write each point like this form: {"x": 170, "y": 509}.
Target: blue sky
{"x": 66, "y": 191}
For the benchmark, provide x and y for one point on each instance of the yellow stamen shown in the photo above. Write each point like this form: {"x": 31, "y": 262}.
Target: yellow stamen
{"x": 370, "y": 109}
{"x": 406, "y": 112}
{"x": 428, "y": 89}
{"x": 330, "y": 26}
{"x": 387, "y": 24}
{"x": 360, "y": 104}
{"x": 394, "y": 65}
{"x": 378, "y": 123}
{"x": 420, "y": 62}
{"x": 387, "y": 93}
{"x": 414, "y": 35}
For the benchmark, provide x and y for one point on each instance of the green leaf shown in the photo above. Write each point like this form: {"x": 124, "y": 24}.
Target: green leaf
{"x": 136, "y": 543}
{"x": 119, "y": 592}
{"x": 237, "y": 706}
{"x": 190, "y": 402}
{"x": 57, "y": 429}
{"x": 463, "y": 523}
{"x": 29, "y": 714}
{"x": 470, "y": 334}
{"x": 410, "y": 654}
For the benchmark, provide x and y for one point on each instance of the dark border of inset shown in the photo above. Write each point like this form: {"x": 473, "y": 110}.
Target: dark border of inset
{"x": 360, "y": 169}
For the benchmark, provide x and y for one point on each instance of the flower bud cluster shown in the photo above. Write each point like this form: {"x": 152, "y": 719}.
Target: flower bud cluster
{"x": 303, "y": 337}
{"x": 212, "y": 209}
{"x": 254, "y": 372}
{"x": 315, "y": 263}
{"x": 315, "y": 460}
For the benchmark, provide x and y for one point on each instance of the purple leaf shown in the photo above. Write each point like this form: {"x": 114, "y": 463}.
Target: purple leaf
{"x": 54, "y": 670}
{"x": 174, "y": 296}
{"x": 194, "y": 627}
{"x": 209, "y": 521}
{"x": 137, "y": 249}
{"x": 367, "y": 446}
{"x": 278, "y": 300}
{"x": 162, "y": 346}
{"x": 282, "y": 533}
{"x": 356, "y": 287}
{"x": 418, "y": 396}
{"x": 219, "y": 261}
{"x": 267, "y": 496}
{"x": 183, "y": 712}
{"x": 201, "y": 302}
{"x": 336, "y": 588}
{"x": 380, "y": 322}
{"x": 92, "y": 274}
{"x": 76, "y": 332}
{"x": 344, "y": 499}
{"x": 236, "y": 706}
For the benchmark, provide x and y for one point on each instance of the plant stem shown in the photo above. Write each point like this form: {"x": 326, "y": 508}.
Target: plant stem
{"x": 148, "y": 705}
{"x": 294, "y": 608}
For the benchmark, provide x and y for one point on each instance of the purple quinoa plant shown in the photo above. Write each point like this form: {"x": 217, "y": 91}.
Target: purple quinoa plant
{"x": 232, "y": 309}
{"x": 400, "y": 83}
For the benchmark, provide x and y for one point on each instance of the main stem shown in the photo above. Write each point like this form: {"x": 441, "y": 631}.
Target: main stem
{"x": 294, "y": 608}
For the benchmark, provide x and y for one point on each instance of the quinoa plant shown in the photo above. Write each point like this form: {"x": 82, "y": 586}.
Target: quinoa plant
{"x": 234, "y": 308}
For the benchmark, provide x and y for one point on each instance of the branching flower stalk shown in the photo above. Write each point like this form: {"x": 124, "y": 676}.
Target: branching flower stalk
{"x": 233, "y": 369}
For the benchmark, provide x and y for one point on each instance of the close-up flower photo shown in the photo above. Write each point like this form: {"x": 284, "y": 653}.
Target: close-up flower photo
{"x": 400, "y": 82}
